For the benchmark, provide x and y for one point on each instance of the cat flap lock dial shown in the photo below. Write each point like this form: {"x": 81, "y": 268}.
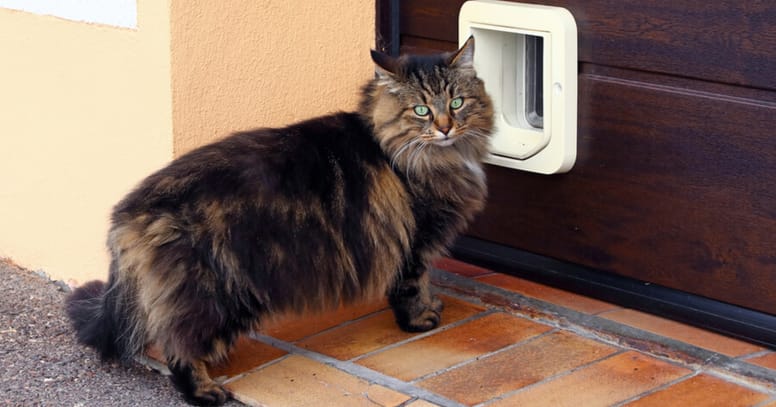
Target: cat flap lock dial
{"x": 527, "y": 56}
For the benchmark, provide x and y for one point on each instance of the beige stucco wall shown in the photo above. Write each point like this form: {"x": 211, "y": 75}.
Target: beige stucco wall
{"x": 245, "y": 63}
{"x": 86, "y": 110}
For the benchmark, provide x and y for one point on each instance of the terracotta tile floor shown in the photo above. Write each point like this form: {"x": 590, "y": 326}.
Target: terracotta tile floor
{"x": 503, "y": 341}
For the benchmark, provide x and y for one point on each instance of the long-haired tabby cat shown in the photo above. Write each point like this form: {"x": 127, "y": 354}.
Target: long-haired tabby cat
{"x": 332, "y": 210}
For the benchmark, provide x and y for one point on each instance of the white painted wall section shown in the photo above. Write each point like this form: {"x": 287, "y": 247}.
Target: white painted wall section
{"x": 119, "y": 13}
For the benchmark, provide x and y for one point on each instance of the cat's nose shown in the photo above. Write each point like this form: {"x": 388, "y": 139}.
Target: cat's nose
{"x": 443, "y": 124}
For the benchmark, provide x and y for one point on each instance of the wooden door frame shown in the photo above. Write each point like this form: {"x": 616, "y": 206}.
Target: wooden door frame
{"x": 387, "y": 34}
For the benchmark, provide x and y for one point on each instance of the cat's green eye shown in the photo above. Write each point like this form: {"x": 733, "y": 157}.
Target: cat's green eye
{"x": 456, "y": 103}
{"x": 421, "y": 110}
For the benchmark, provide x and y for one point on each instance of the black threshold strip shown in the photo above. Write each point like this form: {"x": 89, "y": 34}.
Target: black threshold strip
{"x": 731, "y": 320}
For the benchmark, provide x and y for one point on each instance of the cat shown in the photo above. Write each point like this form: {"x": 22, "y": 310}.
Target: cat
{"x": 329, "y": 211}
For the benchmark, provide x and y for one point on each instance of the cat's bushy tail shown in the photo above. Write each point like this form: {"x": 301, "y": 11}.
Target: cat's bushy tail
{"x": 95, "y": 313}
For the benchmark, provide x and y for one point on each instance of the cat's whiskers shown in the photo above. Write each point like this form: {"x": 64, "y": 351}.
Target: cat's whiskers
{"x": 412, "y": 162}
{"x": 404, "y": 148}
{"x": 473, "y": 136}
{"x": 478, "y": 133}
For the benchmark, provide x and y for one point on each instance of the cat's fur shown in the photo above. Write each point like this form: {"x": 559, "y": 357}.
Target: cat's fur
{"x": 331, "y": 210}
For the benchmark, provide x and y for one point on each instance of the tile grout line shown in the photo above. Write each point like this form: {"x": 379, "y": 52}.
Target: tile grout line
{"x": 765, "y": 403}
{"x": 657, "y": 389}
{"x": 754, "y": 355}
{"x": 423, "y": 335}
{"x": 549, "y": 379}
{"x": 361, "y": 372}
{"x": 730, "y": 378}
{"x": 483, "y": 356}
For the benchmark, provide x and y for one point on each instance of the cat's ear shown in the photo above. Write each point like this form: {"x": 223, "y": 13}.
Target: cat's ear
{"x": 464, "y": 57}
{"x": 385, "y": 65}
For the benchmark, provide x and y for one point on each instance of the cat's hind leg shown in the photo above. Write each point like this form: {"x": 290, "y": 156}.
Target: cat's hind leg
{"x": 196, "y": 331}
{"x": 188, "y": 358}
{"x": 415, "y": 307}
{"x": 195, "y": 384}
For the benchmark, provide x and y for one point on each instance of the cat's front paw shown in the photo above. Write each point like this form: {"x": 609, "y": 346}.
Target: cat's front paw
{"x": 419, "y": 316}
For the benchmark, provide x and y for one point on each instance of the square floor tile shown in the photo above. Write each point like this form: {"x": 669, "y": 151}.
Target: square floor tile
{"x": 246, "y": 355}
{"x": 702, "y": 391}
{"x": 299, "y": 381}
{"x": 447, "y": 348}
{"x": 517, "y": 367}
{"x": 602, "y": 384}
{"x": 377, "y": 331}
{"x": 682, "y": 332}
{"x": 549, "y": 294}
{"x": 295, "y": 327}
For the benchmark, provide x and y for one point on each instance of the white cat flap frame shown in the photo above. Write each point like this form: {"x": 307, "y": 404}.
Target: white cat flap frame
{"x": 500, "y": 29}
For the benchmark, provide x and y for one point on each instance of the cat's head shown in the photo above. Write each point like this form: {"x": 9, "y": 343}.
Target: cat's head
{"x": 429, "y": 110}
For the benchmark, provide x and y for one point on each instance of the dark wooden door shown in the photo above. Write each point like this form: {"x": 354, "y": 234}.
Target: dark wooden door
{"x": 675, "y": 179}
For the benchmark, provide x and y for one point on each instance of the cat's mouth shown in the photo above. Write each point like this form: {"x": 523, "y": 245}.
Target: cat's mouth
{"x": 442, "y": 139}
{"x": 447, "y": 141}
